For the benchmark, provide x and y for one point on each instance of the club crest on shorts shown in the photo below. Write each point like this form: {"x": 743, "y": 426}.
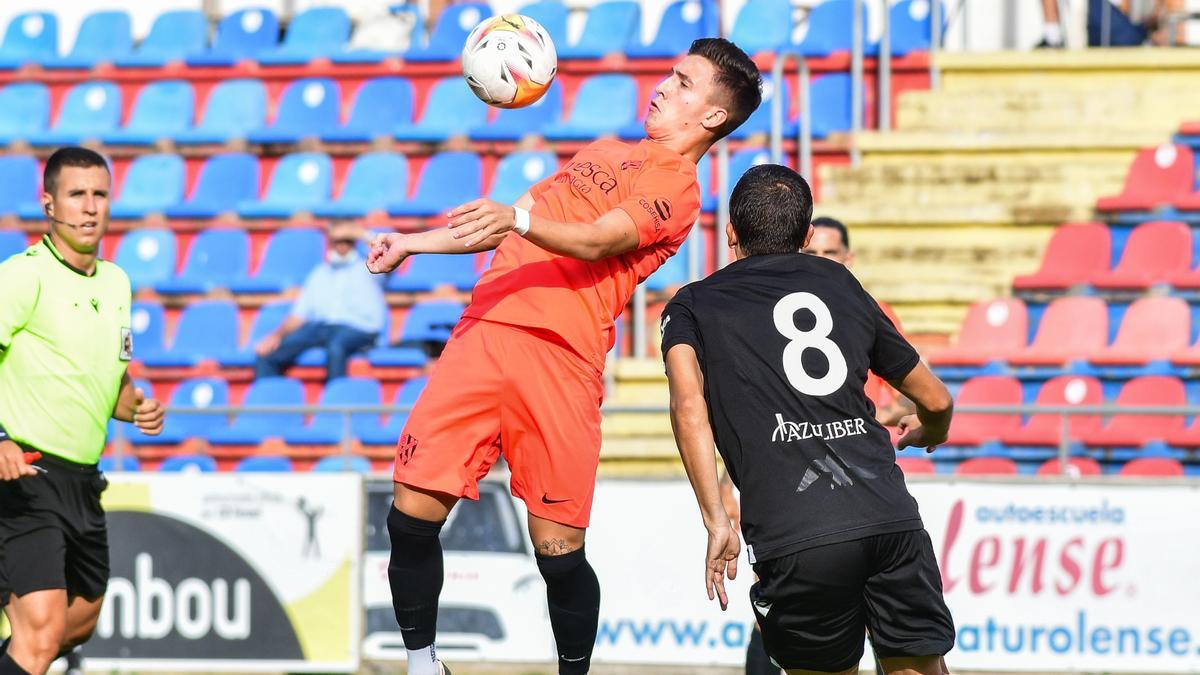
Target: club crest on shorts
{"x": 406, "y": 449}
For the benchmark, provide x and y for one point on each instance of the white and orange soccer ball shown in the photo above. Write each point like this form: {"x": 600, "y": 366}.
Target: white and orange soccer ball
{"x": 509, "y": 61}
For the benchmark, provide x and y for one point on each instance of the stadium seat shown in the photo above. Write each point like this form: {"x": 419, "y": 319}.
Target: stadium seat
{"x": 759, "y": 121}
{"x": 200, "y": 392}
{"x": 103, "y": 37}
{"x": 327, "y": 428}
{"x": 24, "y": 111}
{"x": 12, "y": 242}
{"x": 704, "y": 176}
{"x": 431, "y": 321}
{"x": 302, "y": 181}
{"x": 216, "y": 256}
{"x": 314, "y": 33}
{"x": 1153, "y": 328}
{"x": 430, "y": 270}
{"x": 341, "y": 463}
{"x": 518, "y": 172}
{"x": 240, "y": 36}
{"x": 308, "y": 108}
{"x": 1123, "y": 430}
{"x": 909, "y": 21}
{"x": 829, "y": 29}
{"x": 682, "y": 22}
{"x": 1152, "y": 466}
{"x": 31, "y": 37}
{"x": 611, "y": 25}
{"x": 1045, "y": 429}
{"x": 835, "y": 112}
{"x": 91, "y": 110}
{"x": 234, "y": 108}
{"x": 1075, "y": 254}
{"x": 147, "y": 322}
{"x": 175, "y": 36}
{"x": 162, "y": 110}
{"x": 406, "y": 397}
{"x": 153, "y": 184}
{"x": 270, "y": 316}
{"x": 992, "y": 330}
{"x": 552, "y": 14}
{"x": 972, "y": 429}
{"x": 188, "y": 464}
{"x": 374, "y": 180}
{"x": 264, "y": 464}
{"x": 448, "y": 36}
{"x": 379, "y": 105}
{"x": 674, "y": 272}
{"x": 289, "y": 256}
{"x": 250, "y": 428}
{"x": 206, "y": 330}
{"x": 604, "y": 105}
{"x": 447, "y": 180}
{"x": 147, "y": 256}
{"x": 1076, "y": 467}
{"x": 224, "y": 182}
{"x": 763, "y": 26}
{"x": 912, "y": 466}
{"x": 1072, "y": 328}
{"x": 19, "y": 181}
{"x": 1155, "y": 252}
{"x": 452, "y": 110}
{"x": 114, "y": 464}
{"x": 1157, "y": 178}
{"x": 986, "y": 466}
{"x": 513, "y": 124}
{"x": 740, "y": 162}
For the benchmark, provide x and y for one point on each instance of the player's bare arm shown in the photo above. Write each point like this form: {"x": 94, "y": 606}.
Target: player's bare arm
{"x": 611, "y": 234}
{"x": 694, "y": 436}
{"x": 931, "y": 423}
{"x": 147, "y": 414}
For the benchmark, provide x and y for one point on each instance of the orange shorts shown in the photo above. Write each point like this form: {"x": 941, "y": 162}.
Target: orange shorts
{"x": 498, "y": 389}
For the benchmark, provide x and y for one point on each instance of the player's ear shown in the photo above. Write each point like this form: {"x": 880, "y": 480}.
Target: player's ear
{"x": 731, "y": 235}
{"x": 807, "y": 237}
{"x": 716, "y": 117}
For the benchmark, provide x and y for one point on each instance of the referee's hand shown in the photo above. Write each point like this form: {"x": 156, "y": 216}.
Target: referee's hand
{"x": 12, "y": 462}
{"x": 148, "y": 414}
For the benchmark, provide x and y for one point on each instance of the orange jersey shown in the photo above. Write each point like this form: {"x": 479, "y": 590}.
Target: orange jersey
{"x": 876, "y": 388}
{"x": 579, "y": 300}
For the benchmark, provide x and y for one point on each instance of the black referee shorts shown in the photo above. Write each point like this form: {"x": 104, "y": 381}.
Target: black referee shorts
{"x": 814, "y": 605}
{"x": 53, "y": 532}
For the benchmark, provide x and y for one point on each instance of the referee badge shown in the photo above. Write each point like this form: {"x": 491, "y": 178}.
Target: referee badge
{"x": 126, "y": 344}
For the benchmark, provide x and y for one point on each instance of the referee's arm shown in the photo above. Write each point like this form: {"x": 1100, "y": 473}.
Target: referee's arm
{"x": 133, "y": 406}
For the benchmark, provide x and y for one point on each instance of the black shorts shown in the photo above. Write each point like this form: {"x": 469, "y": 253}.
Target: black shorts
{"x": 813, "y": 605}
{"x": 53, "y": 532}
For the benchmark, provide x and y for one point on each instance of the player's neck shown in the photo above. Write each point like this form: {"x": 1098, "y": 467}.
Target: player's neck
{"x": 688, "y": 147}
{"x": 83, "y": 262}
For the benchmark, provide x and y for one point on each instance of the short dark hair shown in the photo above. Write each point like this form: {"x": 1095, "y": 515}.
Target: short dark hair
{"x": 69, "y": 156}
{"x": 736, "y": 76}
{"x": 771, "y": 209}
{"x": 834, "y": 224}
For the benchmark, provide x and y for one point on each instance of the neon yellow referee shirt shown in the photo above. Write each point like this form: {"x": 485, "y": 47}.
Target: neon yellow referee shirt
{"x": 65, "y": 344}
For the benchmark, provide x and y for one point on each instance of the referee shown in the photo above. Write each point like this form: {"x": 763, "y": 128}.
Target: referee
{"x": 65, "y": 343}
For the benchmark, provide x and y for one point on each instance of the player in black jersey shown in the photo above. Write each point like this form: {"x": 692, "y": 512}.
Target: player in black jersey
{"x": 766, "y": 361}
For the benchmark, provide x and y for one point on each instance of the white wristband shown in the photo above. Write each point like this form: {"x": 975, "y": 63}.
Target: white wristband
{"x": 522, "y": 225}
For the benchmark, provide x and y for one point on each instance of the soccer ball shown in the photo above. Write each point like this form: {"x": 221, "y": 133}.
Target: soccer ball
{"x": 509, "y": 61}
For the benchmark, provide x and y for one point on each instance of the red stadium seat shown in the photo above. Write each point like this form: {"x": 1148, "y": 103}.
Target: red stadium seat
{"x": 1064, "y": 390}
{"x": 976, "y": 428}
{"x": 1137, "y": 430}
{"x": 1152, "y": 466}
{"x": 991, "y": 330}
{"x": 1072, "y": 328}
{"x": 1076, "y": 466}
{"x": 1153, "y": 328}
{"x": 1075, "y": 254}
{"x": 1157, "y": 178}
{"x": 987, "y": 466}
{"x": 1155, "y": 253}
{"x": 1186, "y": 438}
{"x": 915, "y": 465}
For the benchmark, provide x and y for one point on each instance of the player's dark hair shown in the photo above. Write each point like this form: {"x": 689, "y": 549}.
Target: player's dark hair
{"x": 736, "y": 76}
{"x": 834, "y": 224}
{"x": 69, "y": 156}
{"x": 771, "y": 208}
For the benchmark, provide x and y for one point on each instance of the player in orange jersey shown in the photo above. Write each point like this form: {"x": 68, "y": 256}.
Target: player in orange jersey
{"x": 521, "y": 374}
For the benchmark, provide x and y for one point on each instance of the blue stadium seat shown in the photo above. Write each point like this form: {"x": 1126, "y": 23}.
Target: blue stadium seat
{"x": 430, "y": 270}
{"x": 604, "y": 105}
{"x": 102, "y": 37}
{"x": 431, "y": 321}
{"x": 682, "y": 22}
{"x": 206, "y": 330}
{"x": 513, "y": 124}
{"x": 249, "y": 427}
{"x": 552, "y": 14}
{"x": 188, "y": 464}
{"x": 833, "y": 114}
{"x": 162, "y": 110}
{"x": 309, "y": 107}
{"x": 240, "y": 36}
{"x": 24, "y": 110}
{"x": 909, "y": 21}
{"x": 224, "y": 182}
{"x": 447, "y": 180}
{"x": 18, "y": 183}
{"x": 379, "y": 105}
{"x": 152, "y": 184}
{"x": 201, "y": 392}
{"x": 406, "y": 397}
{"x": 740, "y": 162}
{"x": 264, "y": 464}
{"x": 448, "y": 36}
{"x": 31, "y": 37}
{"x": 270, "y": 316}
{"x": 706, "y": 178}
{"x": 518, "y": 172}
{"x": 290, "y": 255}
{"x": 12, "y": 242}
{"x": 301, "y": 181}
{"x": 327, "y": 428}
{"x": 830, "y": 30}
{"x": 452, "y": 109}
{"x": 759, "y": 121}
{"x": 110, "y": 464}
{"x": 147, "y": 256}
{"x": 148, "y": 325}
{"x": 234, "y": 108}
{"x": 374, "y": 180}
{"x": 674, "y": 272}
{"x": 764, "y": 25}
{"x": 175, "y": 36}
{"x": 611, "y": 25}
{"x": 340, "y": 463}
{"x": 314, "y": 33}
{"x": 216, "y": 256}
{"x": 91, "y": 110}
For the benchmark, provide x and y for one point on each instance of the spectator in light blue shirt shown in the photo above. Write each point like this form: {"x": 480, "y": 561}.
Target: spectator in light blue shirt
{"x": 340, "y": 309}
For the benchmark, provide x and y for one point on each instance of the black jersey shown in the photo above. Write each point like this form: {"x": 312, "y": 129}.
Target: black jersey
{"x": 785, "y": 342}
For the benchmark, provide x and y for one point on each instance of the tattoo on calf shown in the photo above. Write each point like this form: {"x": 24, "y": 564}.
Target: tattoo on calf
{"x": 554, "y": 547}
